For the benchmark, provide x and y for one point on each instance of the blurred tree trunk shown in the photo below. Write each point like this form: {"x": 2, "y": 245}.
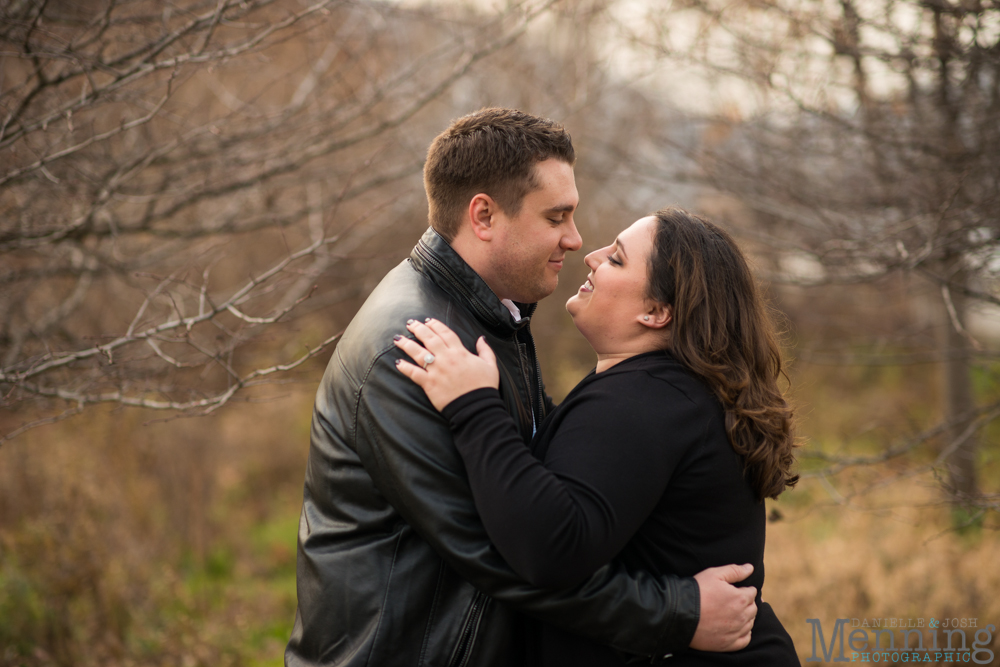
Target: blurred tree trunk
{"x": 961, "y": 444}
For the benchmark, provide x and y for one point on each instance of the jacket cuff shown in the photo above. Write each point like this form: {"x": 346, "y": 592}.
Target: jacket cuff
{"x": 677, "y": 636}
{"x": 469, "y": 406}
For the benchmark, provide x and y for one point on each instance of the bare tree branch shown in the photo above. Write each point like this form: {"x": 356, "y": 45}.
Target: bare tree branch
{"x": 165, "y": 216}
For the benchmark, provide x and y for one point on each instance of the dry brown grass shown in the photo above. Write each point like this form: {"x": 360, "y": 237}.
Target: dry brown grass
{"x": 879, "y": 541}
{"x": 829, "y": 562}
{"x": 165, "y": 543}
{"x": 131, "y": 543}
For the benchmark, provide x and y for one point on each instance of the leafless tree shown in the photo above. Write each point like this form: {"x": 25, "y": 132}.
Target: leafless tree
{"x": 864, "y": 140}
{"x": 176, "y": 179}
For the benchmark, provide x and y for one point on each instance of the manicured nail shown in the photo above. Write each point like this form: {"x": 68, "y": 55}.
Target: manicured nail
{"x": 397, "y": 337}
{"x": 427, "y": 320}
{"x": 399, "y": 361}
{"x": 409, "y": 322}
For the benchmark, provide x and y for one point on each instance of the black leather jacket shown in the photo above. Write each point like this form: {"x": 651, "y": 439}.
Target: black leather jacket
{"x": 394, "y": 566}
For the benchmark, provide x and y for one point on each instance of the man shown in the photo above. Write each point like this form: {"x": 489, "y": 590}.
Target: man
{"x": 394, "y": 566}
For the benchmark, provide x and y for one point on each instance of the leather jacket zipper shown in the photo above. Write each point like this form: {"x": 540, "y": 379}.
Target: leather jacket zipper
{"x": 523, "y": 358}
{"x": 522, "y": 362}
{"x": 523, "y": 412}
{"x": 540, "y": 389}
{"x": 468, "y": 638}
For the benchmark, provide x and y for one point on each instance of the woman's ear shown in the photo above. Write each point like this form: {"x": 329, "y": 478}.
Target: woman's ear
{"x": 657, "y": 316}
{"x": 482, "y": 208}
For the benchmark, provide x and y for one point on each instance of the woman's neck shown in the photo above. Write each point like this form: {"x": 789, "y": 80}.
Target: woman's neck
{"x": 625, "y": 350}
{"x": 606, "y": 361}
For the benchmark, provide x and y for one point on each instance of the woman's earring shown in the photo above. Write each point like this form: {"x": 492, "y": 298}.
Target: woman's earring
{"x": 645, "y": 317}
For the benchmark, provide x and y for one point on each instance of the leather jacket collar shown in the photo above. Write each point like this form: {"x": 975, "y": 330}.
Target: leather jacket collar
{"x": 434, "y": 257}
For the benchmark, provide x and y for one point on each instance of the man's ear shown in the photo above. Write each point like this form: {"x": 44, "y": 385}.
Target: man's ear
{"x": 657, "y": 316}
{"x": 482, "y": 210}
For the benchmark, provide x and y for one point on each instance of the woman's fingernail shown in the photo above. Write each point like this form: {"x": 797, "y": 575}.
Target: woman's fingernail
{"x": 409, "y": 322}
{"x": 399, "y": 361}
{"x": 427, "y": 320}
{"x": 397, "y": 337}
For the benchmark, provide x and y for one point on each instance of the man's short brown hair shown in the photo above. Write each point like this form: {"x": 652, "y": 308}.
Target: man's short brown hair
{"x": 493, "y": 151}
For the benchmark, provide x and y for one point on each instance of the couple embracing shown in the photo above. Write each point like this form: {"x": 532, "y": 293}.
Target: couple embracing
{"x": 453, "y": 515}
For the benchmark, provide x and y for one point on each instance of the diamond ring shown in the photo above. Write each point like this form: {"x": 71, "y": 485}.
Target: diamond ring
{"x": 428, "y": 360}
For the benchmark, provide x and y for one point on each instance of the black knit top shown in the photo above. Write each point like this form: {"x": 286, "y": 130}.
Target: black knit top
{"x": 634, "y": 465}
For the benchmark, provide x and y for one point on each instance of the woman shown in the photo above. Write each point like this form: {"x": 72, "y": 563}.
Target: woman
{"x": 661, "y": 457}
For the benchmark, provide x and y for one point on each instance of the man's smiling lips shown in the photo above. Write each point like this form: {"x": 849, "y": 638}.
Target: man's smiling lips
{"x": 556, "y": 263}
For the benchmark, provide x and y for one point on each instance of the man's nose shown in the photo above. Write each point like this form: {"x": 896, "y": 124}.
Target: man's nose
{"x": 571, "y": 240}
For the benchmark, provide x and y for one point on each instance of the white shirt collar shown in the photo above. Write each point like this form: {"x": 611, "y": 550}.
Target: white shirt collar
{"x": 512, "y": 307}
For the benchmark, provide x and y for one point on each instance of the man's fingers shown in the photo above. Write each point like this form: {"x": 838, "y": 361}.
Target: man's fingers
{"x": 727, "y": 611}
{"x": 739, "y": 637}
{"x": 751, "y": 613}
{"x": 734, "y": 573}
{"x": 748, "y": 614}
{"x": 449, "y": 337}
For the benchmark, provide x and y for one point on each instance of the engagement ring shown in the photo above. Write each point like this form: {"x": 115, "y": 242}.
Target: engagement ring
{"x": 428, "y": 360}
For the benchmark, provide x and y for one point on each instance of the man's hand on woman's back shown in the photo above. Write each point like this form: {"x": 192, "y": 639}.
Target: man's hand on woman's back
{"x": 727, "y": 611}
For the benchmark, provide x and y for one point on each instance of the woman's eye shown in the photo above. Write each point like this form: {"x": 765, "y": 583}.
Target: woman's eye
{"x": 614, "y": 260}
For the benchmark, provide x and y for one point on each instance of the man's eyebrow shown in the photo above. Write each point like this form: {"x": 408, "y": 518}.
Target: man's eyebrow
{"x": 562, "y": 208}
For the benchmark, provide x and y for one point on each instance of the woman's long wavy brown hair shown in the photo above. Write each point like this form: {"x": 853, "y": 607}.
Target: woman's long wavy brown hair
{"x": 722, "y": 330}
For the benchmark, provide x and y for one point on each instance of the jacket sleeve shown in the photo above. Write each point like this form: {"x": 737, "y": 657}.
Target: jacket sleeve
{"x": 605, "y": 469}
{"x": 407, "y": 447}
